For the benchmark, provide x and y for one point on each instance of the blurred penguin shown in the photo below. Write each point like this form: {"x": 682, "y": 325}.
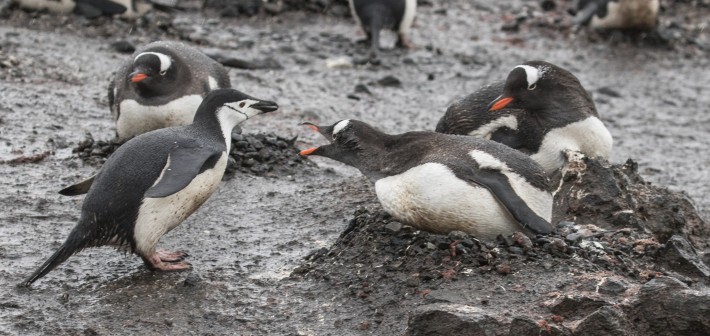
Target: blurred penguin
{"x": 129, "y": 9}
{"x": 617, "y": 14}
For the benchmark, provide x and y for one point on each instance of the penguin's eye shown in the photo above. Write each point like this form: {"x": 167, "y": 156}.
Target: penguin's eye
{"x": 532, "y": 87}
{"x": 242, "y": 104}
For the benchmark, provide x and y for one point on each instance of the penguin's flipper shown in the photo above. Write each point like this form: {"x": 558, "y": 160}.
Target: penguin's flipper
{"x": 586, "y": 12}
{"x": 499, "y": 186}
{"x": 184, "y": 163}
{"x": 105, "y": 7}
{"x": 78, "y": 188}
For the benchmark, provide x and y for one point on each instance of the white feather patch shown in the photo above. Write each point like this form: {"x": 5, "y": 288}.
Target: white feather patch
{"x": 165, "y": 61}
{"x": 410, "y": 11}
{"x": 136, "y": 118}
{"x": 533, "y": 74}
{"x": 487, "y": 130}
{"x": 340, "y": 126}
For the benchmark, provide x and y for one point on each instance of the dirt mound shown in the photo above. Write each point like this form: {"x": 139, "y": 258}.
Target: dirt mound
{"x": 597, "y": 271}
{"x": 255, "y": 154}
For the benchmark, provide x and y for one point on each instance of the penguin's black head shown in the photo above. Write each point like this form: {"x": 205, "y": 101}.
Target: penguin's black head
{"x": 348, "y": 139}
{"x": 535, "y": 85}
{"x": 230, "y": 107}
{"x": 153, "y": 70}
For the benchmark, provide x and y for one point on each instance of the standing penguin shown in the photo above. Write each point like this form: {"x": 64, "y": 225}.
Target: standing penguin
{"x": 155, "y": 181}
{"x": 617, "y": 14}
{"x": 375, "y": 15}
{"x": 545, "y": 112}
{"x": 162, "y": 86}
{"x": 441, "y": 183}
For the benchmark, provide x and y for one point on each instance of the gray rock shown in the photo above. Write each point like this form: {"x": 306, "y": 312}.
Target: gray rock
{"x": 452, "y": 319}
{"x": 613, "y": 286}
{"x": 666, "y": 306}
{"x": 394, "y": 226}
{"x": 573, "y": 306}
{"x": 605, "y": 321}
{"x": 681, "y": 257}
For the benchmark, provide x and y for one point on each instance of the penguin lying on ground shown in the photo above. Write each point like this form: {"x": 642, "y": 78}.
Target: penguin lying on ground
{"x": 88, "y": 8}
{"x": 156, "y": 180}
{"x": 617, "y": 14}
{"x": 162, "y": 86}
{"x": 441, "y": 183}
{"x": 375, "y": 15}
{"x": 545, "y": 112}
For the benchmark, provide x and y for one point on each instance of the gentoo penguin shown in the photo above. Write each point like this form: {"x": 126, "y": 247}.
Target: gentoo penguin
{"x": 156, "y": 180}
{"x": 441, "y": 183}
{"x": 88, "y": 8}
{"x": 617, "y": 14}
{"x": 375, "y": 15}
{"x": 161, "y": 86}
{"x": 545, "y": 112}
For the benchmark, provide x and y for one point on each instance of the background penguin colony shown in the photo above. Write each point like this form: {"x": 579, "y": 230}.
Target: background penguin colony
{"x": 435, "y": 182}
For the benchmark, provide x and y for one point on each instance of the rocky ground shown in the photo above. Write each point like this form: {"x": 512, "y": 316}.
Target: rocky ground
{"x": 290, "y": 246}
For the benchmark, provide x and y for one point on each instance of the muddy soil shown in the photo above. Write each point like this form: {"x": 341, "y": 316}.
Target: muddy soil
{"x": 247, "y": 244}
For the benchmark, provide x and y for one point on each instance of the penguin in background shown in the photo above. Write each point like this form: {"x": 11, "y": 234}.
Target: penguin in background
{"x": 375, "y": 15}
{"x": 442, "y": 183}
{"x": 541, "y": 110}
{"x": 129, "y": 9}
{"x": 153, "y": 182}
{"x": 161, "y": 86}
{"x": 617, "y": 14}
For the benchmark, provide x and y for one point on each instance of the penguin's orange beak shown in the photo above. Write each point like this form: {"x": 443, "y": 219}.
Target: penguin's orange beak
{"x": 137, "y": 77}
{"x": 499, "y": 103}
{"x": 308, "y": 151}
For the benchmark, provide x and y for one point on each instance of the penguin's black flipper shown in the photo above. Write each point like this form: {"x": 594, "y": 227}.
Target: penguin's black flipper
{"x": 587, "y": 9}
{"x": 500, "y": 188}
{"x": 78, "y": 188}
{"x": 184, "y": 163}
{"x": 105, "y": 7}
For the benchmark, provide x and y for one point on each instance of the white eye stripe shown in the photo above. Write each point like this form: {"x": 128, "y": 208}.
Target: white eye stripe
{"x": 165, "y": 61}
{"x": 340, "y": 126}
{"x": 532, "y": 73}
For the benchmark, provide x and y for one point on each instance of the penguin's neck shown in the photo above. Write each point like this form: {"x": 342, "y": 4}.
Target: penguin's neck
{"x": 218, "y": 125}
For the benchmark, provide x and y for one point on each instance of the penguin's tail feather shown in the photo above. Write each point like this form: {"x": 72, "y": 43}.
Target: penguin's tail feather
{"x": 57, "y": 258}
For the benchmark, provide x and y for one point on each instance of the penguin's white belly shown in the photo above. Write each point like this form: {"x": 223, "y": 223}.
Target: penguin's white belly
{"x": 136, "y": 119}
{"x": 589, "y": 137}
{"x": 157, "y": 216}
{"x": 430, "y": 197}
{"x": 410, "y": 10}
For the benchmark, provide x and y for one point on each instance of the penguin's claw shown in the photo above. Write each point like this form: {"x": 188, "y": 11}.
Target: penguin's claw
{"x": 170, "y": 256}
{"x": 156, "y": 264}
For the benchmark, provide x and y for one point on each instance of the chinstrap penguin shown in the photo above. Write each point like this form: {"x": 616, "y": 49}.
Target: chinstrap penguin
{"x": 129, "y": 9}
{"x": 161, "y": 86}
{"x": 441, "y": 183}
{"x": 545, "y": 112}
{"x": 617, "y": 14}
{"x": 155, "y": 181}
{"x": 375, "y": 15}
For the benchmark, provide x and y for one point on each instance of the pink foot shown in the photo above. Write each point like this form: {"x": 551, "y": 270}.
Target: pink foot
{"x": 154, "y": 262}
{"x": 171, "y": 256}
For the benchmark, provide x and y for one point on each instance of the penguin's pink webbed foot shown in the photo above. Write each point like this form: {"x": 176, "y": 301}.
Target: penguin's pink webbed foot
{"x": 171, "y": 256}
{"x": 157, "y": 264}
{"x": 403, "y": 42}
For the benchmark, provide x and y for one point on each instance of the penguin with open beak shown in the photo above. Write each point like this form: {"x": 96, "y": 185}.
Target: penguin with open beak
{"x": 442, "y": 183}
{"x": 153, "y": 182}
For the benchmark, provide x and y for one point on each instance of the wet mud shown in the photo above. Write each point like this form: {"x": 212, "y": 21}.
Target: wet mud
{"x": 307, "y": 250}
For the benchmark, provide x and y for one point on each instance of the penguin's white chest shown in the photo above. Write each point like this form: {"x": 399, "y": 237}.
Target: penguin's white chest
{"x": 136, "y": 119}
{"x": 632, "y": 14}
{"x": 157, "y": 216}
{"x": 432, "y": 198}
{"x": 589, "y": 137}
